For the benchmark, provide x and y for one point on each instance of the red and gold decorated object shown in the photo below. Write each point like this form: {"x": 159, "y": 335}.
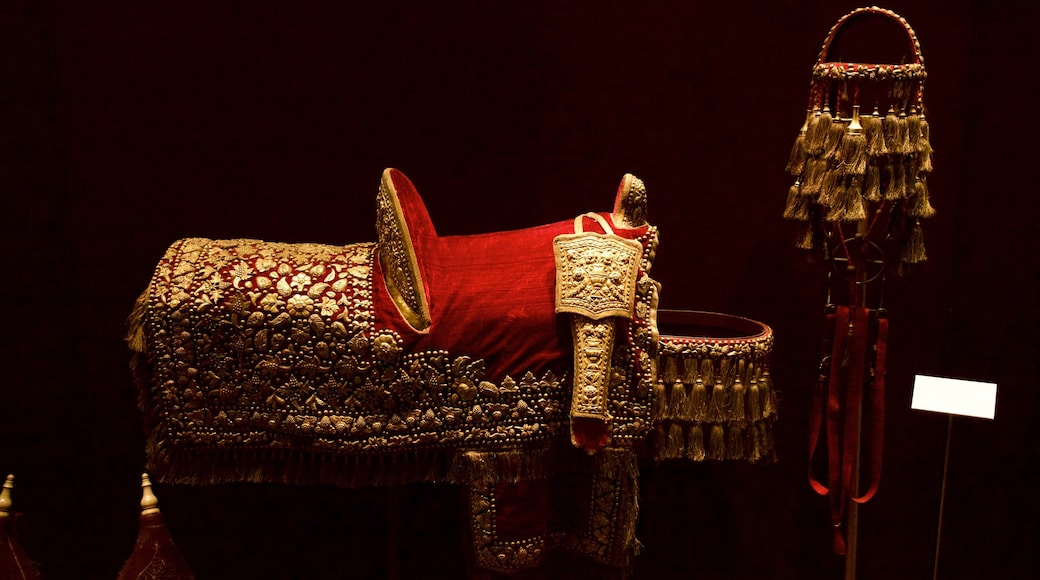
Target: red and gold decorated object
{"x": 861, "y": 163}
{"x": 14, "y": 563}
{"x": 863, "y": 154}
{"x": 522, "y": 365}
{"x": 155, "y": 556}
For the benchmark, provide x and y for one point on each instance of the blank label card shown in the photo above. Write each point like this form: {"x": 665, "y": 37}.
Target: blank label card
{"x": 954, "y": 396}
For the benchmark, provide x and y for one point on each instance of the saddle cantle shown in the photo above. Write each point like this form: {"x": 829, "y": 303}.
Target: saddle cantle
{"x": 521, "y": 364}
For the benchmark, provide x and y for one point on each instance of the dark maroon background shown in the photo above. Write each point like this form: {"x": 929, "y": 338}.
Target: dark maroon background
{"x": 127, "y": 125}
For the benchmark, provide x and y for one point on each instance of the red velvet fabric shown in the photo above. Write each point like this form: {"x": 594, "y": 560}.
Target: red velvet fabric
{"x": 522, "y": 509}
{"x": 491, "y": 295}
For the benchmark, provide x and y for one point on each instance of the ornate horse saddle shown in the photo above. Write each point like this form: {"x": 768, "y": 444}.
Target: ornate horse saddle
{"x": 525, "y": 365}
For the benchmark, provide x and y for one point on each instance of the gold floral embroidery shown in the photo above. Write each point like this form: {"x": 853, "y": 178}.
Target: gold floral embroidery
{"x": 287, "y": 345}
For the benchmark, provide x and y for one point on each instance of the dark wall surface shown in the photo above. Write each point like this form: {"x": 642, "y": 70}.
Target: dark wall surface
{"x": 127, "y": 125}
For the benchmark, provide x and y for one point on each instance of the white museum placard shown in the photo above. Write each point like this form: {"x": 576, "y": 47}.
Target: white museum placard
{"x": 954, "y": 396}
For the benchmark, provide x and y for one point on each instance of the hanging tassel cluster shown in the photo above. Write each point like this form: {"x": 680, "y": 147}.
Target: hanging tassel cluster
{"x": 851, "y": 166}
{"x": 714, "y": 404}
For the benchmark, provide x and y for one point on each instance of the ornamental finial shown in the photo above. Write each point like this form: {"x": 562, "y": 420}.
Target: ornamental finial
{"x": 149, "y": 503}
{"x": 5, "y": 496}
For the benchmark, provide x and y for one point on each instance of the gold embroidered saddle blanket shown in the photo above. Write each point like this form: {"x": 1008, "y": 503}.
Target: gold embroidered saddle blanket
{"x": 525, "y": 365}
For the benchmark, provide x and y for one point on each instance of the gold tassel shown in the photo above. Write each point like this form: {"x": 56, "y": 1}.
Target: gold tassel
{"x": 717, "y": 443}
{"x": 924, "y": 142}
{"x": 833, "y": 141}
{"x": 797, "y": 207}
{"x": 678, "y": 402}
{"x": 769, "y": 401}
{"x": 872, "y": 131}
{"x": 847, "y": 205}
{"x": 736, "y": 448}
{"x": 754, "y": 454}
{"x": 738, "y": 398}
{"x": 833, "y": 184}
{"x": 890, "y": 129}
{"x": 808, "y": 240}
{"x": 896, "y": 174}
{"x": 904, "y": 135}
{"x": 695, "y": 443}
{"x": 886, "y": 175}
{"x": 923, "y": 157}
{"x": 913, "y": 133}
{"x": 872, "y": 183}
{"x": 676, "y": 445}
{"x": 699, "y": 398}
{"x": 671, "y": 370}
{"x": 924, "y": 162}
{"x": 666, "y": 378}
{"x": 854, "y": 146}
{"x": 718, "y": 409}
{"x": 913, "y": 251}
{"x": 660, "y": 399}
{"x": 816, "y": 135}
{"x": 835, "y": 203}
{"x": 854, "y": 154}
{"x": 754, "y": 398}
{"x": 815, "y": 171}
{"x": 691, "y": 369}
{"x": 856, "y": 211}
{"x": 920, "y": 206}
{"x": 707, "y": 371}
{"x": 796, "y": 162}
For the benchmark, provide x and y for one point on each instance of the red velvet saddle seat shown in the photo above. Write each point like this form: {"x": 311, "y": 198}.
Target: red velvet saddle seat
{"x": 490, "y": 294}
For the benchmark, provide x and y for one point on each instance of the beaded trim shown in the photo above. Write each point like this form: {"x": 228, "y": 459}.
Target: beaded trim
{"x": 837, "y": 71}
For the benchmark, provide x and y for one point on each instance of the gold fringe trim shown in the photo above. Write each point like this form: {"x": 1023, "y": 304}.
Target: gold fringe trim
{"x": 297, "y": 467}
{"x": 716, "y": 409}
{"x": 499, "y": 466}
